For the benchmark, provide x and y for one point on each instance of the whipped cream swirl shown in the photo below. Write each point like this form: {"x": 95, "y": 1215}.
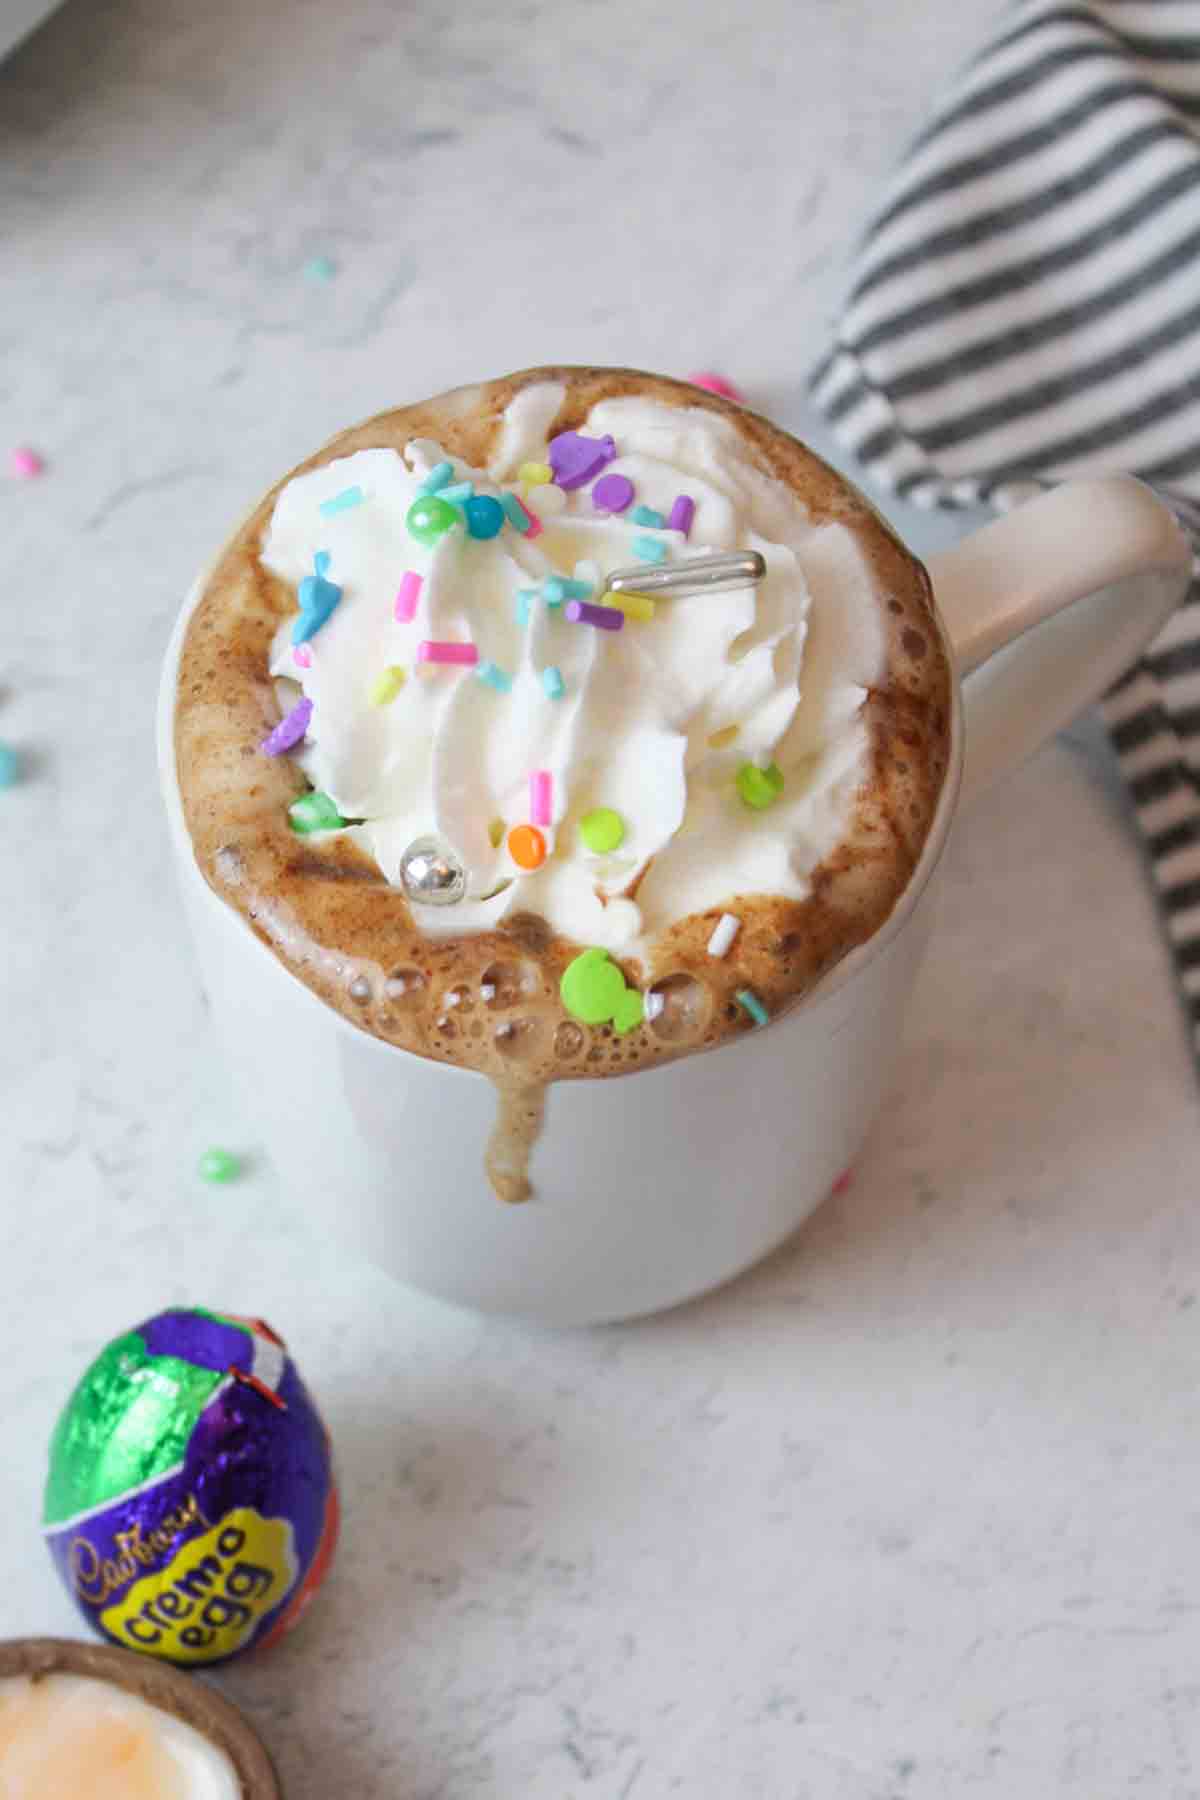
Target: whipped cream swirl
{"x": 654, "y": 720}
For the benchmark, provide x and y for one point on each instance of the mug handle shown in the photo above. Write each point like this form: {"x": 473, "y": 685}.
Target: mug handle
{"x": 1045, "y": 607}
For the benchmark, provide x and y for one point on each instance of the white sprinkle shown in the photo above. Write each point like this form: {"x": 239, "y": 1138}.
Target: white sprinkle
{"x": 726, "y": 929}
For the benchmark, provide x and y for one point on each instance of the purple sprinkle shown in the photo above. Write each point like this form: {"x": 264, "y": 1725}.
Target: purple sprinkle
{"x": 682, "y": 514}
{"x": 612, "y": 493}
{"x": 289, "y": 731}
{"x": 583, "y": 612}
{"x": 575, "y": 458}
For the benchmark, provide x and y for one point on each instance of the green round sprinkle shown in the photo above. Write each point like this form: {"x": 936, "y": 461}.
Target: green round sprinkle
{"x": 429, "y": 518}
{"x": 602, "y": 829}
{"x": 592, "y": 987}
{"x": 314, "y": 812}
{"x": 219, "y": 1165}
{"x": 759, "y": 788}
{"x": 631, "y": 1010}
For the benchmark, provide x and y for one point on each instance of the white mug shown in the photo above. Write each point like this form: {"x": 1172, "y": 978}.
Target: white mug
{"x": 653, "y": 1187}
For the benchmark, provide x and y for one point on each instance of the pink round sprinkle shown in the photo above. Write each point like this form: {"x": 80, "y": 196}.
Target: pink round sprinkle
{"x": 289, "y": 731}
{"x": 25, "y": 463}
{"x": 302, "y": 656}
{"x": 612, "y": 493}
{"x": 407, "y": 596}
{"x": 541, "y": 795}
{"x": 716, "y": 384}
{"x": 431, "y": 650}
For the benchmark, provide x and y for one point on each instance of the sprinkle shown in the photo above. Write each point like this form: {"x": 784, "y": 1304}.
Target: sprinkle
{"x": 593, "y": 990}
{"x": 320, "y": 268}
{"x": 527, "y": 846}
{"x": 437, "y": 478}
{"x": 535, "y": 524}
{"x": 553, "y": 685}
{"x": 302, "y": 656}
{"x": 582, "y": 612}
{"x": 525, "y": 600}
{"x": 458, "y": 493}
{"x": 432, "y": 650}
{"x": 496, "y": 834}
{"x": 575, "y": 458}
{"x": 541, "y": 796}
{"x": 646, "y": 515}
{"x": 557, "y": 588}
{"x": 385, "y": 687}
{"x": 602, "y": 829}
{"x": 759, "y": 788}
{"x": 10, "y": 766}
{"x": 314, "y": 812}
{"x": 514, "y": 512}
{"x": 219, "y": 1165}
{"x": 612, "y": 493}
{"x": 316, "y": 598}
{"x": 750, "y": 1002}
{"x": 724, "y": 932}
{"x": 494, "y": 677}
{"x": 683, "y": 511}
{"x": 290, "y": 729}
{"x": 649, "y": 549}
{"x": 407, "y": 596}
{"x": 716, "y": 384}
{"x": 25, "y": 464}
{"x": 351, "y": 496}
{"x": 485, "y": 516}
{"x": 717, "y": 740}
{"x": 535, "y": 474}
{"x": 430, "y": 517}
{"x": 634, "y": 606}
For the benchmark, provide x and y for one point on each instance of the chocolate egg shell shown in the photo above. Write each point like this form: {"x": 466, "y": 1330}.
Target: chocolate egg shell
{"x": 190, "y": 1506}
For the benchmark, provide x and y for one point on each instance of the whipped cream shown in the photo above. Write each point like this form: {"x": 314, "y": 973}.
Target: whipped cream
{"x": 786, "y": 661}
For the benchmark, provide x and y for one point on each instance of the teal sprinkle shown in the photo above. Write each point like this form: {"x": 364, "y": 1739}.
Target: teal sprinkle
{"x": 462, "y": 490}
{"x": 351, "y": 496}
{"x": 494, "y": 677}
{"x": 10, "y": 766}
{"x": 514, "y": 512}
{"x": 646, "y": 515}
{"x": 437, "y": 478}
{"x": 649, "y": 549}
{"x": 557, "y": 588}
{"x": 525, "y": 600}
{"x": 750, "y": 1002}
{"x": 320, "y": 268}
{"x": 552, "y": 683}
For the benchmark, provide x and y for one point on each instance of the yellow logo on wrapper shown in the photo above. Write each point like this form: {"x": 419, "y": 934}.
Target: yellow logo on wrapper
{"x": 209, "y": 1599}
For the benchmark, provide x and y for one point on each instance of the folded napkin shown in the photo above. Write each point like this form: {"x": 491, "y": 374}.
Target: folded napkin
{"x": 1025, "y": 307}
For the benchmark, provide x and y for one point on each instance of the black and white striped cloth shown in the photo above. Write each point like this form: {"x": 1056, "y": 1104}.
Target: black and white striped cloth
{"x": 1026, "y": 306}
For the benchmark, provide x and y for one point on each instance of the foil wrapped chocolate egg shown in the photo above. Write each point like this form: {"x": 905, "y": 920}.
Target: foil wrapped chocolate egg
{"x": 191, "y": 1508}
{"x": 432, "y": 874}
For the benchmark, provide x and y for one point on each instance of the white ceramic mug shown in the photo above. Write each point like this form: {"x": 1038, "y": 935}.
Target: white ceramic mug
{"x": 653, "y": 1187}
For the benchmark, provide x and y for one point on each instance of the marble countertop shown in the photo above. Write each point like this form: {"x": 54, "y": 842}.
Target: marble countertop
{"x": 909, "y": 1511}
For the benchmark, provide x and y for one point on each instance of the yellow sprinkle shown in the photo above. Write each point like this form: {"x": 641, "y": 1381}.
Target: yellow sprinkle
{"x": 719, "y": 739}
{"x": 535, "y": 474}
{"x": 634, "y": 606}
{"x": 496, "y": 833}
{"x": 386, "y": 686}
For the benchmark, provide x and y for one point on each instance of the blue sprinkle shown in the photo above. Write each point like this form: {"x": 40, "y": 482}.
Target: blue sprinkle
{"x": 351, "y": 496}
{"x": 646, "y": 515}
{"x": 525, "y": 600}
{"x": 649, "y": 549}
{"x": 321, "y": 561}
{"x": 750, "y": 1002}
{"x": 557, "y": 588}
{"x": 316, "y": 598}
{"x": 320, "y": 268}
{"x": 553, "y": 684}
{"x": 462, "y": 490}
{"x": 437, "y": 478}
{"x": 494, "y": 677}
{"x": 514, "y": 512}
{"x": 10, "y": 766}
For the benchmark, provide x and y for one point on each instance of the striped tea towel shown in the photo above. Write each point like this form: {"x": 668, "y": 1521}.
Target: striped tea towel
{"x": 1026, "y": 306}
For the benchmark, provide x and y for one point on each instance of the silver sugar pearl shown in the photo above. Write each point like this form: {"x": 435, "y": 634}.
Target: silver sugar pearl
{"x": 432, "y": 874}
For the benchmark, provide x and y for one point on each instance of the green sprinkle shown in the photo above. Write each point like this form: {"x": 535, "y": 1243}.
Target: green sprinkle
{"x": 602, "y": 829}
{"x": 593, "y": 990}
{"x": 219, "y": 1165}
{"x": 759, "y": 788}
{"x": 430, "y": 517}
{"x": 646, "y": 515}
{"x": 553, "y": 684}
{"x": 750, "y": 1002}
{"x": 314, "y": 812}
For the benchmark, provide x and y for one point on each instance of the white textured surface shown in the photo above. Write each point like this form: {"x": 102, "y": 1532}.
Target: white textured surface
{"x": 909, "y": 1512}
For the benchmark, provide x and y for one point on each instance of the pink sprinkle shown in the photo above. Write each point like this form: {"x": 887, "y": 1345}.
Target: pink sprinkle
{"x": 407, "y": 596}
{"x": 843, "y": 1181}
{"x": 535, "y": 524}
{"x": 716, "y": 384}
{"x": 541, "y": 795}
{"x": 302, "y": 656}
{"x": 430, "y": 650}
{"x": 25, "y": 463}
{"x": 682, "y": 514}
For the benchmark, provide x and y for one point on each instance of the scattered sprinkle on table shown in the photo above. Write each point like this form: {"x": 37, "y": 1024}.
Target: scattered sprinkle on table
{"x": 290, "y": 729}
{"x": 759, "y": 788}
{"x": 649, "y": 549}
{"x": 602, "y": 829}
{"x": 25, "y": 464}
{"x": 320, "y": 268}
{"x": 750, "y": 1003}
{"x": 683, "y": 511}
{"x": 724, "y": 932}
{"x": 219, "y": 1166}
{"x": 604, "y": 618}
{"x": 10, "y": 766}
{"x": 340, "y": 503}
{"x": 612, "y": 493}
{"x": 553, "y": 685}
{"x": 647, "y": 515}
{"x": 385, "y": 687}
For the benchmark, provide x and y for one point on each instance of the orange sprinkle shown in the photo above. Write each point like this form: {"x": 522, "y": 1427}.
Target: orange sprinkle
{"x": 527, "y": 846}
